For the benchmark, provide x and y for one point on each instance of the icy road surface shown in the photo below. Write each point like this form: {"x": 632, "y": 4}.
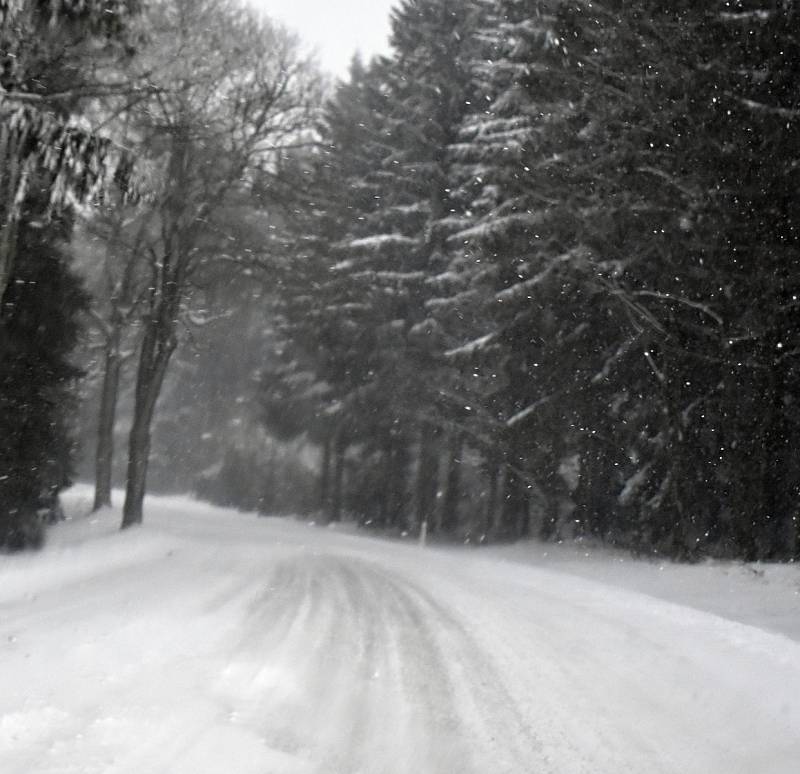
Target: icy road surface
{"x": 210, "y": 642}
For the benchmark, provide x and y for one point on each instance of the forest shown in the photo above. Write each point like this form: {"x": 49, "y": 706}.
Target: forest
{"x": 534, "y": 273}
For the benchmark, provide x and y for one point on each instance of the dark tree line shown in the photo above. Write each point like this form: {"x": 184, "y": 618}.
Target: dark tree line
{"x": 545, "y": 279}
{"x": 539, "y": 276}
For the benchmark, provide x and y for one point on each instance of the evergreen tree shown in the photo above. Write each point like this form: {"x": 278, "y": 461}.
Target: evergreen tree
{"x": 571, "y": 249}
{"x": 325, "y": 317}
{"x": 397, "y": 248}
{"x": 39, "y": 329}
{"x": 518, "y": 259}
{"x": 56, "y": 57}
{"x": 682, "y": 184}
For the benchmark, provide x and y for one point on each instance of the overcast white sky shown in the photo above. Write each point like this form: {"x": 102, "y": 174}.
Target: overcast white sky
{"x": 335, "y": 28}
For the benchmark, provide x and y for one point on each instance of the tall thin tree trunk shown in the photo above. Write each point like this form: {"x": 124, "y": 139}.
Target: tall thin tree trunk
{"x": 449, "y": 517}
{"x": 8, "y": 250}
{"x": 339, "y": 448}
{"x": 104, "y": 452}
{"x": 425, "y": 485}
{"x": 325, "y": 475}
{"x": 9, "y": 185}
{"x": 157, "y": 348}
{"x": 386, "y": 483}
{"x": 514, "y": 519}
{"x": 549, "y": 528}
{"x": 159, "y": 341}
{"x": 397, "y": 493}
{"x": 775, "y": 519}
{"x": 268, "y": 498}
{"x": 490, "y": 512}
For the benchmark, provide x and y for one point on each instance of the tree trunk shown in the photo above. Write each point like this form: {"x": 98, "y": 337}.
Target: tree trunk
{"x": 325, "y": 475}
{"x": 396, "y": 494}
{"x": 775, "y": 525}
{"x": 425, "y": 487}
{"x": 169, "y": 278}
{"x": 490, "y": 513}
{"x": 593, "y": 501}
{"x": 157, "y": 347}
{"x": 550, "y": 526}
{"x": 104, "y": 452}
{"x": 385, "y": 484}
{"x": 339, "y": 448}
{"x": 9, "y": 183}
{"x": 452, "y": 483}
{"x": 515, "y": 517}
{"x": 268, "y": 496}
{"x": 8, "y": 249}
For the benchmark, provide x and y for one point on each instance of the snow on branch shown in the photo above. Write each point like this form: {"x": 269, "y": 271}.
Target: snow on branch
{"x": 669, "y": 179}
{"x": 499, "y": 227}
{"x": 462, "y": 299}
{"x": 526, "y": 412}
{"x": 774, "y": 110}
{"x": 380, "y": 241}
{"x": 351, "y": 306}
{"x": 611, "y": 361}
{"x": 633, "y": 485}
{"x": 681, "y": 300}
{"x": 391, "y": 276}
{"x": 515, "y": 292}
{"x": 472, "y": 347}
{"x": 746, "y": 16}
{"x": 407, "y": 209}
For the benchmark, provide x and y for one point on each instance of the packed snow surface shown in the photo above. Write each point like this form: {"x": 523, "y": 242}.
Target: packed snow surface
{"x": 213, "y": 642}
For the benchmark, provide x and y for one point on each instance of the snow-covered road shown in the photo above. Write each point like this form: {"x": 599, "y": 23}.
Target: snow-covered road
{"x": 210, "y": 642}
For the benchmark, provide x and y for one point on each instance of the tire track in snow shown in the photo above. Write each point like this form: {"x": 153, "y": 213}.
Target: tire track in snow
{"x": 495, "y": 724}
{"x": 356, "y": 670}
{"x": 265, "y": 647}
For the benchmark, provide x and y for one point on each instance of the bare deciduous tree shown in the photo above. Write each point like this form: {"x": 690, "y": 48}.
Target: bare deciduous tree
{"x": 230, "y": 92}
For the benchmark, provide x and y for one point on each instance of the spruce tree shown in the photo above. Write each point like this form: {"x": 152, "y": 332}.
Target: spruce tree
{"x": 56, "y": 57}
{"x": 38, "y": 331}
{"x": 399, "y": 250}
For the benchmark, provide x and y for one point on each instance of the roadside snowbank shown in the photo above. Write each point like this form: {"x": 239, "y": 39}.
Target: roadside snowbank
{"x": 759, "y": 594}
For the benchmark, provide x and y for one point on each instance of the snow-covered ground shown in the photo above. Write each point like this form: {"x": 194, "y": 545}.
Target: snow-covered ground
{"x": 213, "y": 642}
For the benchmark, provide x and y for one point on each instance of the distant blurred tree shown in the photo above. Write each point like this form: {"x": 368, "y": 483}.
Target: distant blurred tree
{"x": 325, "y": 318}
{"x": 109, "y": 254}
{"x": 230, "y": 91}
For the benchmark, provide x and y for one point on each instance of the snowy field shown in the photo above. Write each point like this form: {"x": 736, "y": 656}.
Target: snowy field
{"x": 213, "y": 642}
